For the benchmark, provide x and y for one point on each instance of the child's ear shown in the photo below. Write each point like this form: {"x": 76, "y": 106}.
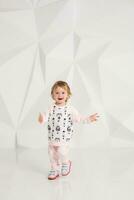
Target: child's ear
{"x": 67, "y": 98}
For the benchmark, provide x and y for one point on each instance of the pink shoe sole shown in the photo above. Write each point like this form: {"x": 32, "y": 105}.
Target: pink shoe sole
{"x": 49, "y": 178}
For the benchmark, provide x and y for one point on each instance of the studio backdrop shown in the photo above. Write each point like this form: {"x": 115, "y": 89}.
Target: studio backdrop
{"x": 89, "y": 44}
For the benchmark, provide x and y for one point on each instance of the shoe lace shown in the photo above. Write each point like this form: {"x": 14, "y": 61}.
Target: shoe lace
{"x": 52, "y": 172}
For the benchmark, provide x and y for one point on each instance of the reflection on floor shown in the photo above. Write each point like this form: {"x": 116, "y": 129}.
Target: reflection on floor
{"x": 97, "y": 174}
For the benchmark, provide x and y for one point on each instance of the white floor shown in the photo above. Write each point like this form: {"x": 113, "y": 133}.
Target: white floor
{"x": 97, "y": 174}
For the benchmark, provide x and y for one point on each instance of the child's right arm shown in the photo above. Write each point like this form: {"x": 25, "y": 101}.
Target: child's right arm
{"x": 41, "y": 118}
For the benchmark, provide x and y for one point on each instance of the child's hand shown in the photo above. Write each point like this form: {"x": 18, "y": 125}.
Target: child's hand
{"x": 93, "y": 117}
{"x": 40, "y": 119}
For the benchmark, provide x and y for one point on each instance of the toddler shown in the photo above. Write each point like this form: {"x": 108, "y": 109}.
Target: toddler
{"x": 60, "y": 119}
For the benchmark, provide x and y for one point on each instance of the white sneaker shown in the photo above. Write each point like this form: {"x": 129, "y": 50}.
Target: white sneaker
{"x": 66, "y": 168}
{"x": 53, "y": 174}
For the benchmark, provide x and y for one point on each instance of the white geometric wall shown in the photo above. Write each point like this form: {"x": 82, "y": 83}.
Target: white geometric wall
{"x": 89, "y": 44}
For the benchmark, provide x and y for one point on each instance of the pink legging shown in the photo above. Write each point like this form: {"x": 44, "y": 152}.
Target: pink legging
{"x": 58, "y": 155}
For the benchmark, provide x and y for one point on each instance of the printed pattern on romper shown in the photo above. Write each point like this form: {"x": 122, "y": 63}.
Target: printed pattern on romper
{"x": 60, "y": 124}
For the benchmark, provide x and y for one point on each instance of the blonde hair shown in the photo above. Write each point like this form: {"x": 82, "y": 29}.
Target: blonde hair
{"x": 63, "y": 85}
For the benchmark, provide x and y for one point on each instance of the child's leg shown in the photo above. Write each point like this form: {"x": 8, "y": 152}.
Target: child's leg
{"x": 54, "y": 160}
{"x": 63, "y": 153}
{"x": 53, "y": 156}
{"x": 66, "y": 163}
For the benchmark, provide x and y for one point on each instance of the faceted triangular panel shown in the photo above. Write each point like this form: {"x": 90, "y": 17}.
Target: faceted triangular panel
{"x": 6, "y": 5}
{"x": 90, "y": 67}
{"x": 36, "y": 86}
{"x": 124, "y": 133}
{"x": 14, "y": 86}
{"x": 76, "y": 42}
{"x": 90, "y": 90}
{"x": 4, "y": 114}
{"x": 12, "y": 37}
{"x": 70, "y": 76}
{"x": 91, "y": 46}
{"x": 7, "y": 134}
{"x": 124, "y": 63}
{"x": 51, "y": 63}
{"x": 118, "y": 98}
{"x": 113, "y": 124}
{"x": 80, "y": 93}
{"x": 64, "y": 49}
{"x": 45, "y": 15}
{"x": 121, "y": 143}
{"x": 49, "y": 43}
{"x": 64, "y": 19}
{"x": 42, "y": 65}
{"x": 27, "y": 89}
{"x": 24, "y": 21}
{"x": 129, "y": 122}
{"x": 30, "y": 120}
{"x": 117, "y": 129}
{"x": 6, "y": 56}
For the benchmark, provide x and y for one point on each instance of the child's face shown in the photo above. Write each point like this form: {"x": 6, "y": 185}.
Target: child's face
{"x": 60, "y": 95}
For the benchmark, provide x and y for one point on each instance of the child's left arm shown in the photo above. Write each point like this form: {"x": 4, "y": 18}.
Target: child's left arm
{"x": 77, "y": 117}
{"x": 94, "y": 117}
